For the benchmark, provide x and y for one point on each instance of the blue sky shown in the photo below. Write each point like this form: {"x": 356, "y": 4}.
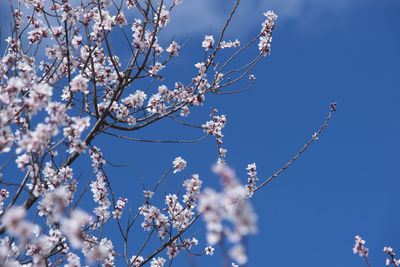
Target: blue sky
{"x": 347, "y": 183}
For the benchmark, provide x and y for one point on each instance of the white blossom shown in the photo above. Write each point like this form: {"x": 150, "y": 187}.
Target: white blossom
{"x": 209, "y": 250}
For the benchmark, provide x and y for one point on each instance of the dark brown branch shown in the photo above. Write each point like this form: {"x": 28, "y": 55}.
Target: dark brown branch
{"x": 156, "y": 141}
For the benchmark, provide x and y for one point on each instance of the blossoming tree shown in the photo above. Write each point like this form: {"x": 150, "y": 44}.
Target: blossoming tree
{"x": 63, "y": 83}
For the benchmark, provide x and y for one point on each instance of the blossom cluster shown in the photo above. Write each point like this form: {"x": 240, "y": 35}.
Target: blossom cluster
{"x": 359, "y": 247}
{"x": 179, "y": 216}
{"x": 266, "y": 32}
{"x": 3, "y": 195}
{"x": 363, "y": 252}
{"x": 14, "y": 221}
{"x": 214, "y": 127}
{"x": 391, "y": 254}
{"x": 231, "y": 205}
{"x": 100, "y": 196}
{"x": 230, "y": 44}
{"x": 97, "y": 158}
{"x": 251, "y": 181}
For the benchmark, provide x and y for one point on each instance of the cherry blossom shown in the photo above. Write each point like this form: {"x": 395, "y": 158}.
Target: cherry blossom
{"x": 121, "y": 203}
{"x": 359, "y": 247}
{"x": 209, "y": 250}
{"x": 173, "y": 49}
{"x": 72, "y": 227}
{"x": 230, "y": 44}
{"x": 391, "y": 254}
{"x": 100, "y": 196}
{"x": 136, "y": 260}
{"x": 148, "y": 193}
{"x": 179, "y": 164}
{"x": 79, "y": 84}
{"x": 3, "y": 195}
{"x": 267, "y": 27}
{"x": 130, "y": 4}
{"x": 163, "y": 18}
{"x": 238, "y": 254}
{"x": 157, "y": 262}
{"x": 15, "y": 223}
{"x": 208, "y": 42}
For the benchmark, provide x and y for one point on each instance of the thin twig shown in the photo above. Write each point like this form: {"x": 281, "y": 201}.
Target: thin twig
{"x": 314, "y": 137}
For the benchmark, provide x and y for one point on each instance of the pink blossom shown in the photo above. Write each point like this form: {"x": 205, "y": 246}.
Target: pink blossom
{"x": 97, "y": 158}
{"x": 214, "y": 127}
{"x": 135, "y": 100}
{"x": 54, "y": 203}
{"x": 3, "y": 195}
{"x": 100, "y": 196}
{"x": 121, "y": 203}
{"x": 163, "y": 17}
{"x": 173, "y": 49}
{"x": 79, "y": 84}
{"x": 230, "y": 44}
{"x": 359, "y": 247}
{"x": 157, "y": 262}
{"x": 153, "y": 70}
{"x": 238, "y": 254}
{"x": 208, "y": 42}
{"x": 9, "y": 94}
{"x": 13, "y": 220}
{"x": 179, "y": 164}
{"x": 391, "y": 254}
{"x": 73, "y": 260}
{"x": 253, "y": 177}
{"x": 136, "y": 260}
{"x": 120, "y": 19}
{"x": 76, "y": 41}
{"x": 173, "y": 249}
{"x": 188, "y": 243}
{"x": 22, "y": 161}
{"x": 130, "y": 4}
{"x": 148, "y": 193}
{"x": 72, "y": 227}
{"x": 39, "y": 96}
{"x": 266, "y": 32}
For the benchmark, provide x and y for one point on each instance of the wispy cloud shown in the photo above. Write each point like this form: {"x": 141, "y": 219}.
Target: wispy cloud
{"x": 195, "y": 16}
